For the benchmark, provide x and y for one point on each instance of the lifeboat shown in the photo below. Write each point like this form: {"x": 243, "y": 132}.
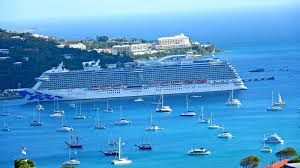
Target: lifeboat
{"x": 165, "y": 83}
{"x": 202, "y": 81}
{"x": 189, "y": 81}
{"x": 106, "y": 87}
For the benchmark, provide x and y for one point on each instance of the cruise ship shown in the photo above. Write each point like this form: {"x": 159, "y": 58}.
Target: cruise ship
{"x": 174, "y": 74}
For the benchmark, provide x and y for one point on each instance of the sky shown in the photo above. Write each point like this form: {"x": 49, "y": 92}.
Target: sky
{"x": 36, "y": 10}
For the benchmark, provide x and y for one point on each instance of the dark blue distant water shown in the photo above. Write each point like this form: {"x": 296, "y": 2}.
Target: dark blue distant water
{"x": 248, "y": 43}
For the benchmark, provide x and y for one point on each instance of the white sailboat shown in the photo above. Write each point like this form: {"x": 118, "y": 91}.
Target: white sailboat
{"x": 274, "y": 107}
{"x": 161, "y": 107}
{"x": 56, "y": 111}
{"x": 188, "y": 112}
{"x": 140, "y": 99}
{"x": 38, "y": 121}
{"x": 152, "y": 126}
{"x": 122, "y": 120}
{"x": 202, "y": 118}
{"x": 225, "y": 134}
{"x": 231, "y": 101}
{"x": 120, "y": 160}
{"x": 39, "y": 107}
{"x": 79, "y": 116}
{"x": 266, "y": 149}
{"x": 71, "y": 161}
{"x": 5, "y": 127}
{"x": 108, "y": 109}
{"x": 98, "y": 124}
{"x": 64, "y": 128}
{"x": 280, "y": 102}
{"x": 211, "y": 125}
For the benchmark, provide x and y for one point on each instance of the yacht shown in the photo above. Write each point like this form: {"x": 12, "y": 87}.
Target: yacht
{"x": 280, "y": 102}
{"x": 71, "y": 161}
{"x": 74, "y": 143}
{"x": 19, "y": 116}
{"x": 152, "y": 126}
{"x": 161, "y": 107}
{"x": 139, "y": 99}
{"x": 108, "y": 109}
{"x": 274, "y": 107}
{"x": 266, "y": 149}
{"x": 225, "y": 134}
{"x": 56, "y": 115}
{"x": 56, "y": 111}
{"x": 199, "y": 151}
{"x": 213, "y": 126}
{"x": 201, "y": 117}
{"x": 64, "y": 128}
{"x": 275, "y": 139}
{"x": 79, "y": 116}
{"x": 188, "y": 113}
{"x": 98, "y": 124}
{"x": 231, "y": 101}
{"x": 196, "y": 96}
{"x": 120, "y": 160}
{"x": 122, "y": 120}
{"x": 145, "y": 146}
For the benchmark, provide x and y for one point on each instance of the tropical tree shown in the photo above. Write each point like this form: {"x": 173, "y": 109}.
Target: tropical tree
{"x": 250, "y": 162}
{"x": 286, "y": 153}
{"x": 24, "y": 163}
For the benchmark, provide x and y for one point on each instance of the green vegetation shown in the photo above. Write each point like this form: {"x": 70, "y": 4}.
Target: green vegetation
{"x": 250, "y": 162}
{"x": 68, "y": 167}
{"x": 286, "y": 153}
{"x": 24, "y": 163}
{"x": 296, "y": 160}
{"x": 37, "y": 55}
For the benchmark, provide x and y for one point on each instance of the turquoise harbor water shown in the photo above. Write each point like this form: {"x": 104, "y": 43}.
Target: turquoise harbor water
{"x": 248, "y": 123}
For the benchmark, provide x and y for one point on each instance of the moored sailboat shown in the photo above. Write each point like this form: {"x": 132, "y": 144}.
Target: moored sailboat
{"x": 161, "y": 107}
{"x": 121, "y": 160}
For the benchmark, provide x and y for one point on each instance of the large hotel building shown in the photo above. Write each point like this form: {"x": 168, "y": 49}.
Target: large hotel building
{"x": 174, "y": 42}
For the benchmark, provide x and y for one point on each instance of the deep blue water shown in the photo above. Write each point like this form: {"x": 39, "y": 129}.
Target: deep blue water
{"x": 248, "y": 123}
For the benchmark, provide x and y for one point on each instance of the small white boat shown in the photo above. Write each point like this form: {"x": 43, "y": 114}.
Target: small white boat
{"x": 196, "y": 96}
{"x": 213, "y": 126}
{"x": 19, "y": 116}
{"x": 162, "y": 108}
{"x": 225, "y": 134}
{"x": 56, "y": 115}
{"x": 139, "y": 99}
{"x": 64, "y": 128}
{"x": 108, "y": 109}
{"x": 231, "y": 101}
{"x": 79, "y": 116}
{"x": 71, "y": 161}
{"x": 199, "y": 151}
{"x": 266, "y": 149}
{"x": 201, "y": 117}
{"x": 5, "y": 114}
{"x": 188, "y": 113}
{"x": 5, "y": 128}
{"x": 37, "y": 122}
{"x": 152, "y": 126}
{"x": 122, "y": 120}
{"x": 120, "y": 160}
{"x": 39, "y": 107}
{"x": 274, "y": 107}
{"x": 98, "y": 124}
{"x": 274, "y": 139}
{"x": 280, "y": 102}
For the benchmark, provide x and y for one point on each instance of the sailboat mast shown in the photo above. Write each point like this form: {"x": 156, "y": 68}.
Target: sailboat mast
{"x": 119, "y": 148}
{"x": 202, "y": 115}
{"x": 79, "y": 108}
{"x": 272, "y": 98}
{"x": 162, "y": 100}
{"x": 187, "y": 102}
{"x": 151, "y": 118}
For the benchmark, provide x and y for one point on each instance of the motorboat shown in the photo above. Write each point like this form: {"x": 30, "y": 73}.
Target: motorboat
{"x": 153, "y": 128}
{"x": 120, "y": 160}
{"x": 199, "y": 151}
{"x": 225, "y": 134}
{"x": 56, "y": 115}
{"x": 145, "y": 146}
{"x": 36, "y": 123}
{"x": 19, "y": 116}
{"x": 275, "y": 139}
{"x": 139, "y": 99}
{"x": 123, "y": 121}
{"x": 111, "y": 153}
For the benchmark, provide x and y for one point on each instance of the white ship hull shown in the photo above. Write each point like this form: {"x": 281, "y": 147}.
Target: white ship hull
{"x": 81, "y": 94}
